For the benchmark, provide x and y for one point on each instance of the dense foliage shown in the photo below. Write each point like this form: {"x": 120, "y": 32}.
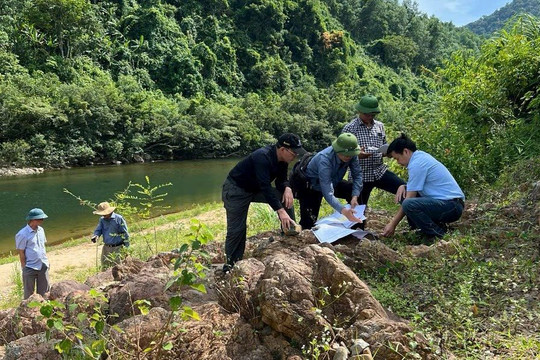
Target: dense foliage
{"x": 92, "y": 81}
{"x": 486, "y": 116}
{"x": 84, "y": 81}
{"x": 488, "y": 24}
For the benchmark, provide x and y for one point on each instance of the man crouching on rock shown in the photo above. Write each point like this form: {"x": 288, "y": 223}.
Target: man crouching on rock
{"x": 251, "y": 181}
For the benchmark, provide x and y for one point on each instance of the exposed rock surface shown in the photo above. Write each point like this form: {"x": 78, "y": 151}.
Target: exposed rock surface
{"x": 12, "y": 171}
{"x": 64, "y": 288}
{"x": 291, "y": 291}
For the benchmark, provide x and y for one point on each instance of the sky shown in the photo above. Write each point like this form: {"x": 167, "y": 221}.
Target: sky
{"x": 460, "y": 12}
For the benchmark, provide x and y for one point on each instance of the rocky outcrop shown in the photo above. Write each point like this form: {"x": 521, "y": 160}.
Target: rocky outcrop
{"x": 64, "y": 288}
{"x": 292, "y": 290}
{"x": 32, "y": 347}
{"x": 12, "y": 171}
{"x": 307, "y": 293}
{"x": 22, "y": 321}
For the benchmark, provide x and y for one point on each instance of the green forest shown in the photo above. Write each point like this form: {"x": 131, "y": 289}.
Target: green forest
{"x": 85, "y": 82}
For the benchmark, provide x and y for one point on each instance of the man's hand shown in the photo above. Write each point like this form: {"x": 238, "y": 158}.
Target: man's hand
{"x": 287, "y": 198}
{"x": 401, "y": 193}
{"x": 94, "y": 238}
{"x": 286, "y": 221}
{"x": 354, "y": 201}
{"x": 388, "y": 230}
{"x": 363, "y": 154}
{"x": 349, "y": 214}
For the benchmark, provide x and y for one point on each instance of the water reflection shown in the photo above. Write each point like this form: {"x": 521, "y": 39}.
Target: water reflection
{"x": 193, "y": 182}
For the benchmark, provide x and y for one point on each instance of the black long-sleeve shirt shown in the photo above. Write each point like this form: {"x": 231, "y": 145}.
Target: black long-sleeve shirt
{"x": 256, "y": 173}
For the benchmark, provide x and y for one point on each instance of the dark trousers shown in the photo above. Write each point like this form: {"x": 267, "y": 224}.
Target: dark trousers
{"x": 388, "y": 182}
{"x": 310, "y": 202}
{"x": 236, "y": 202}
{"x": 33, "y": 279}
{"x": 428, "y": 214}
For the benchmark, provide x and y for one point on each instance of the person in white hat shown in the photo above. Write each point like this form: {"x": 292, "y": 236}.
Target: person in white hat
{"x": 113, "y": 228}
{"x": 30, "y": 243}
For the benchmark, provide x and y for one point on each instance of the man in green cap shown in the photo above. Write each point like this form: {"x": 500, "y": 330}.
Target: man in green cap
{"x": 372, "y": 140}
{"x": 324, "y": 175}
{"x": 30, "y": 243}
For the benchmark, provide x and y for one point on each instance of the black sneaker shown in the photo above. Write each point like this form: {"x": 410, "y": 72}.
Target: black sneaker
{"x": 227, "y": 268}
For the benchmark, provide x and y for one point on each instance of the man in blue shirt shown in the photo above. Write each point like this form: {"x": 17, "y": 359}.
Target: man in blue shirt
{"x": 30, "y": 243}
{"x": 251, "y": 181}
{"x": 432, "y": 197}
{"x": 324, "y": 175}
{"x": 115, "y": 233}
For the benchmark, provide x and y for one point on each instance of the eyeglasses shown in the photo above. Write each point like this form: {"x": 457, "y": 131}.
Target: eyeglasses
{"x": 290, "y": 151}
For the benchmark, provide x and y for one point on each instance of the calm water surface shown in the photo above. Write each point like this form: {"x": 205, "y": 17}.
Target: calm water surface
{"x": 193, "y": 182}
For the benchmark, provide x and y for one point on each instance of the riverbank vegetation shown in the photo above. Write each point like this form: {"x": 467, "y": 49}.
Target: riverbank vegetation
{"x": 119, "y": 80}
{"x": 129, "y": 81}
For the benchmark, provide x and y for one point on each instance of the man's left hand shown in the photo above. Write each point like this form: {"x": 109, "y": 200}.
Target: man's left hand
{"x": 287, "y": 198}
{"x": 354, "y": 202}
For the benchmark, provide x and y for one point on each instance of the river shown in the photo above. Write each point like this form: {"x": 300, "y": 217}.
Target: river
{"x": 193, "y": 182}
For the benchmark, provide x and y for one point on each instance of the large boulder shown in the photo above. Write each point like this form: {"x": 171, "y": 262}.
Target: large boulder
{"x": 101, "y": 279}
{"x": 220, "y": 335}
{"x": 149, "y": 287}
{"x": 62, "y": 289}
{"x": 8, "y": 326}
{"x": 138, "y": 332}
{"x": 31, "y": 347}
{"x": 237, "y": 292}
{"x": 27, "y": 319}
{"x": 304, "y": 294}
{"x": 309, "y": 292}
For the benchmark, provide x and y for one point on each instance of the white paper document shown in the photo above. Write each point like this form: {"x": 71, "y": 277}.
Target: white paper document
{"x": 340, "y": 219}
{"x": 329, "y": 233}
{"x": 373, "y": 149}
{"x": 337, "y": 226}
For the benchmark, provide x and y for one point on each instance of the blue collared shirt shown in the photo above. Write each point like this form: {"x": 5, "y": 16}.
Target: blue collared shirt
{"x": 326, "y": 170}
{"x": 33, "y": 244}
{"x": 431, "y": 179}
{"x": 113, "y": 229}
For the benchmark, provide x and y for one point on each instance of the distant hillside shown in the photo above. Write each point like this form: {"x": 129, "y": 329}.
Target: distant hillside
{"x": 486, "y": 25}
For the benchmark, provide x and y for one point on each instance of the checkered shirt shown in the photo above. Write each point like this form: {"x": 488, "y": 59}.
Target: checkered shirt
{"x": 373, "y": 167}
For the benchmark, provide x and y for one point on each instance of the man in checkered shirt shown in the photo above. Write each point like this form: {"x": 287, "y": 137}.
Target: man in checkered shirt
{"x": 370, "y": 134}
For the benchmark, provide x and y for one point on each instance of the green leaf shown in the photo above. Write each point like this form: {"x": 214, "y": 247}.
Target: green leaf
{"x": 100, "y": 325}
{"x": 190, "y": 313}
{"x": 46, "y": 310}
{"x": 199, "y": 287}
{"x": 59, "y": 325}
{"x": 81, "y": 317}
{"x": 64, "y": 346}
{"x": 175, "y": 302}
{"x": 98, "y": 345}
{"x": 88, "y": 352}
{"x": 168, "y": 346}
{"x": 33, "y": 304}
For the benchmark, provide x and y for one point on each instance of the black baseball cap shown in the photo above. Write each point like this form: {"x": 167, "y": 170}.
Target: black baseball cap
{"x": 291, "y": 141}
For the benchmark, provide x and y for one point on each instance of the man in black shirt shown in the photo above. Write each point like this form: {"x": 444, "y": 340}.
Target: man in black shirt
{"x": 251, "y": 181}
